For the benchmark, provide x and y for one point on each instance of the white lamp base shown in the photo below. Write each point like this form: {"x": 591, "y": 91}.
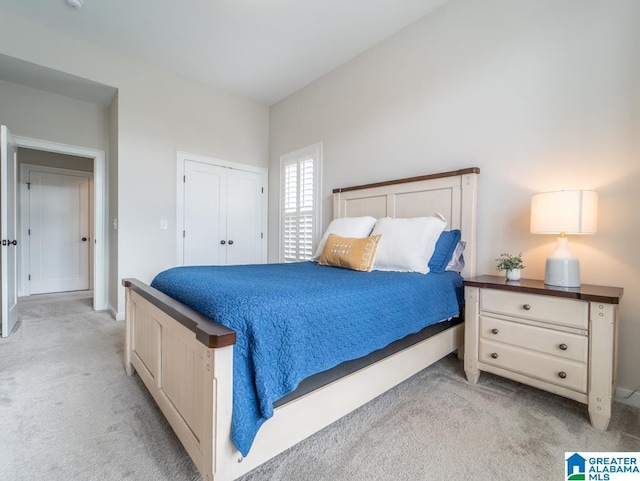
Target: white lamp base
{"x": 563, "y": 268}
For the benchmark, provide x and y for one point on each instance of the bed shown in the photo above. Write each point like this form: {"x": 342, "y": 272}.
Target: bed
{"x": 186, "y": 359}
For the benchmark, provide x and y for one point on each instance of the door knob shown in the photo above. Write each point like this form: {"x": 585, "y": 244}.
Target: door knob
{"x": 223, "y": 242}
{"x": 84, "y": 239}
{"x": 13, "y": 242}
{"x": 230, "y": 242}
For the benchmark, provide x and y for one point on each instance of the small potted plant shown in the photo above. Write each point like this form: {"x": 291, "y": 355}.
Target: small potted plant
{"x": 512, "y": 264}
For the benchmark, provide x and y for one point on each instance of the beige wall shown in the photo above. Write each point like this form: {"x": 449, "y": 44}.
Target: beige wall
{"x": 541, "y": 95}
{"x": 158, "y": 113}
{"x": 51, "y": 159}
{"x": 42, "y": 115}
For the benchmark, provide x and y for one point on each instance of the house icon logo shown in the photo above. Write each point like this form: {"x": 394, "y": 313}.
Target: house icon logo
{"x": 576, "y": 468}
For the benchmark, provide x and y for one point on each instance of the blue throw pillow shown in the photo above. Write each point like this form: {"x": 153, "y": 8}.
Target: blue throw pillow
{"x": 445, "y": 246}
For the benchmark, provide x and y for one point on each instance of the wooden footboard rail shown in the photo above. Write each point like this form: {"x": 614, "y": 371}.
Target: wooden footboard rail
{"x": 206, "y": 330}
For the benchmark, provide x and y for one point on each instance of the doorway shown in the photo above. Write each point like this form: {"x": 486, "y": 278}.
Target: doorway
{"x": 96, "y": 240}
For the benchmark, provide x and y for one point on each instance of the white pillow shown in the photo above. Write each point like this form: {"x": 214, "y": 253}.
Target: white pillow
{"x": 357, "y": 227}
{"x": 407, "y": 244}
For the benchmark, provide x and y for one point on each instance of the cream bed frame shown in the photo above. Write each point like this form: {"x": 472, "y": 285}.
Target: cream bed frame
{"x": 185, "y": 359}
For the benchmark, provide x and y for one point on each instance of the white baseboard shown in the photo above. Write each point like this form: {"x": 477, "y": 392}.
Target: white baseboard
{"x": 624, "y": 396}
{"x": 118, "y": 316}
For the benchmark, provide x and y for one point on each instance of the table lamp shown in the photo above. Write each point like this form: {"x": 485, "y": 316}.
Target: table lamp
{"x": 564, "y": 212}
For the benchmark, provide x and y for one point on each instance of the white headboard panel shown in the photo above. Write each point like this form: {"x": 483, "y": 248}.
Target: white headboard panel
{"x": 452, "y": 194}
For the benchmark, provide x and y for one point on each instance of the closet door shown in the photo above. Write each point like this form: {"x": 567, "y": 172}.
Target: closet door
{"x": 204, "y": 214}
{"x": 244, "y": 217}
{"x": 222, "y": 215}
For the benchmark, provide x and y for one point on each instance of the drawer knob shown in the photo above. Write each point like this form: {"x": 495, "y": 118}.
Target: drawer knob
{"x": 563, "y": 347}
{"x": 494, "y": 331}
{"x": 526, "y": 307}
{"x": 494, "y": 355}
{"x": 562, "y": 375}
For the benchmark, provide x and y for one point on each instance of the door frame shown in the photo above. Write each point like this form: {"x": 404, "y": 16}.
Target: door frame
{"x": 100, "y": 241}
{"x": 182, "y": 158}
{"x": 25, "y": 204}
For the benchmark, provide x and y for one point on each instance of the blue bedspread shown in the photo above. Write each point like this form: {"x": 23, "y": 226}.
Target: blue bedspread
{"x": 295, "y": 320}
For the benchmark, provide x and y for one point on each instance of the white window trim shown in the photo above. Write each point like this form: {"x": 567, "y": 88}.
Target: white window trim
{"x": 314, "y": 151}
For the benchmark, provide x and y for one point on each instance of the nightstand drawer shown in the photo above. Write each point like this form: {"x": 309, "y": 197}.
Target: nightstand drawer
{"x": 562, "y": 372}
{"x": 567, "y": 312}
{"x": 549, "y": 341}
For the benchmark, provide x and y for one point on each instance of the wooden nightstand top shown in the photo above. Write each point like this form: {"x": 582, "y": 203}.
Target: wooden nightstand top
{"x": 586, "y": 292}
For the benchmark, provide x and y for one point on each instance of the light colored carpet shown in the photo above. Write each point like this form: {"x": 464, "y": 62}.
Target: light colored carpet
{"x": 69, "y": 412}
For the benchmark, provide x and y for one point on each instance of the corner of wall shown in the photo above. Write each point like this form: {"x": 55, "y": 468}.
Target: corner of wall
{"x": 118, "y": 316}
{"x": 626, "y": 396}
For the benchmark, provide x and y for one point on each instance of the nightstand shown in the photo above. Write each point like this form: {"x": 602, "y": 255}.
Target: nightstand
{"x": 562, "y": 340}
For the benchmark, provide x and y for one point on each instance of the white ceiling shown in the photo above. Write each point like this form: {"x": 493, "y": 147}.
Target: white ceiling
{"x": 263, "y": 50}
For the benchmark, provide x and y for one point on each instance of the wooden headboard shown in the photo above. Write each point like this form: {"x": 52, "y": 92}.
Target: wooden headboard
{"x": 452, "y": 194}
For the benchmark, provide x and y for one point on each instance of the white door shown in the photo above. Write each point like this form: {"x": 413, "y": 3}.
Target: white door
{"x": 244, "y": 214}
{"x": 222, "y": 215}
{"x": 58, "y": 232}
{"x": 204, "y": 193}
{"x": 8, "y": 232}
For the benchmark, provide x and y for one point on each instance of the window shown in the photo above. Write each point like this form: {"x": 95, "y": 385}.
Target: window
{"x": 299, "y": 202}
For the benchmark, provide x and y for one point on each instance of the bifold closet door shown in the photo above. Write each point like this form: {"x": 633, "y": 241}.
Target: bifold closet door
{"x": 244, "y": 217}
{"x": 204, "y": 214}
{"x": 222, "y": 215}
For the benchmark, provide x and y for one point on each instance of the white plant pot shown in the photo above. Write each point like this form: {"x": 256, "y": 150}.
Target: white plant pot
{"x": 513, "y": 274}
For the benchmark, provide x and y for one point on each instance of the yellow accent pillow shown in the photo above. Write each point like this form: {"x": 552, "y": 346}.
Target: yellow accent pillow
{"x": 350, "y": 253}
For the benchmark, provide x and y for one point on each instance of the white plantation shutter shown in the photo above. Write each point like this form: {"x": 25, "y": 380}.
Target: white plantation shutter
{"x": 300, "y": 203}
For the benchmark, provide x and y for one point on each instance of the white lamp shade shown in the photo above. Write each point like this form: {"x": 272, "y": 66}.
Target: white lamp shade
{"x": 566, "y": 211}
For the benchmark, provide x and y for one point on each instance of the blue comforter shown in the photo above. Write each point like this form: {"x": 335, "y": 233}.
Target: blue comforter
{"x": 295, "y": 320}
